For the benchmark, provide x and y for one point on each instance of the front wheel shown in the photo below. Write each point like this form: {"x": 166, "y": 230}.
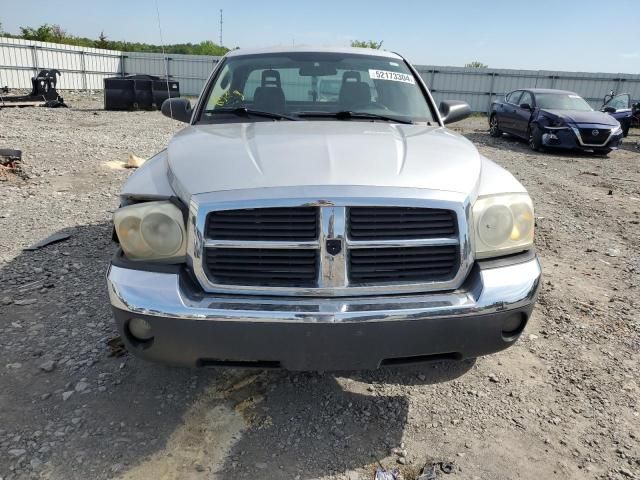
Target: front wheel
{"x": 535, "y": 139}
{"x": 494, "y": 128}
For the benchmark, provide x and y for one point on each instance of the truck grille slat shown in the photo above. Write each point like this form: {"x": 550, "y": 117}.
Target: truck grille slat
{"x": 426, "y": 264}
{"x": 400, "y": 223}
{"x": 254, "y": 266}
{"x": 293, "y": 224}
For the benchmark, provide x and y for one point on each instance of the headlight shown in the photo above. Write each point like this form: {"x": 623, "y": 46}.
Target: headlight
{"x": 152, "y": 231}
{"x": 503, "y": 224}
{"x": 617, "y": 130}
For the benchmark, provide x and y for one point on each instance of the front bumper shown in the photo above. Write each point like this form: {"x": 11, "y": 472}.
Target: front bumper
{"x": 569, "y": 138}
{"x": 196, "y": 329}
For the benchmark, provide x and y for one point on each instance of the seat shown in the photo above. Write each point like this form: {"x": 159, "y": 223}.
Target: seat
{"x": 353, "y": 91}
{"x": 269, "y": 96}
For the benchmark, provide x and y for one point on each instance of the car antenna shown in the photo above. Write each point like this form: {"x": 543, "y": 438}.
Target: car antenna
{"x": 166, "y": 61}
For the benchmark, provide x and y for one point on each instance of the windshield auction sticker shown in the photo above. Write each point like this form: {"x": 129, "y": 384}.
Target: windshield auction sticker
{"x": 393, "y": 76}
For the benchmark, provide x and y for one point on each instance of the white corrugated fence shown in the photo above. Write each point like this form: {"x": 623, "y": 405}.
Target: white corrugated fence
{"x": 85, "y": 68}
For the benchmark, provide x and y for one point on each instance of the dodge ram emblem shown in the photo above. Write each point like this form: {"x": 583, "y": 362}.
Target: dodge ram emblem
{"x": 334, "y": 246}
{"x": 595, "y": 133}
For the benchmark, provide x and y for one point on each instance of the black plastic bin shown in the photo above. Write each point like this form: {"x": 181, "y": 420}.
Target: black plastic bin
{"x": 135, "y": 92}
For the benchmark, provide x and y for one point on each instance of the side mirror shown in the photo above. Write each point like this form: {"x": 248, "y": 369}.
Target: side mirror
{"x": 609, "y": 110}
{"x": 454, "y": 110}
{"x": 177, "y": 108}
{"x": 525, "y": 106}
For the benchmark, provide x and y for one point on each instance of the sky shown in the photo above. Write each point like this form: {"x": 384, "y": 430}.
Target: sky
{"x": 572, "y": 35}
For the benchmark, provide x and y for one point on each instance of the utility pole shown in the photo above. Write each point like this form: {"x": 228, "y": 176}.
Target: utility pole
{"x": 220, "y": 27}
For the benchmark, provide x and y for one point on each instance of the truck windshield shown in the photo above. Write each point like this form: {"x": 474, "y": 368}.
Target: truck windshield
{"x": 562, "y": 101}
{"x": 315, "y": 86}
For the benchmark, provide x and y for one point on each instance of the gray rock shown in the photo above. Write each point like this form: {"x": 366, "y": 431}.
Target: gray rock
{"x": 613, "y": 252}
{"x": 48, "y": 366}
{"x": 66, "y": 395}
{"x": 81, "y": 386}
{"x": 17, "y": 452}
{"x": 26, "y": 301}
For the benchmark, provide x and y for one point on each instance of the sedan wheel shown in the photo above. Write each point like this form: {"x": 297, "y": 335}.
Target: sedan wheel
{"x": 494, "y": 129}
{"x": 535, "y": 139}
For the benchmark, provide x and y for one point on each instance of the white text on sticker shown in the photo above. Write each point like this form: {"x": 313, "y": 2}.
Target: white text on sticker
{"x": 393, "y": 76}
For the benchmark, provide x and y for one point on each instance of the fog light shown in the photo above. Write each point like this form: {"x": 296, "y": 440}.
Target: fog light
{"x": 140, "y": 329}
{"x": 514, "y": 324}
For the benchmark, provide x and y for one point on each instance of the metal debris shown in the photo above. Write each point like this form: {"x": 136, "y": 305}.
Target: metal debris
{"x": 10, "y": 163}
{"x": 55, "y": 238}
{"x": 43, "y": 92}
{"x": 117, "y": 347}
{"x": 383, "y": 474}
{"x": 430, "y": 471}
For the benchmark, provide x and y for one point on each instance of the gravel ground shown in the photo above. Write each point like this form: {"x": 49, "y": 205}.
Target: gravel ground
{"x": 562, "y": 403}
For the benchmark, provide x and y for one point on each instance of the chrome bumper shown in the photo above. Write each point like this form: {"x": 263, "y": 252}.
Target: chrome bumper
{"x": 489, "y": 289}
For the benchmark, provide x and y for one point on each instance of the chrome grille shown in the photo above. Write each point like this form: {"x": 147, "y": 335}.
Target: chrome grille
{"x": 594, "y": 136}
{"x": 316, "y": 248}
{"x": 399, "y": 223}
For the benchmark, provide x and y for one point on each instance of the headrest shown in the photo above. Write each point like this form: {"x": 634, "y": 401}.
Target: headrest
{"x": 350, "y": 76}
{"x": 270, "y": 78}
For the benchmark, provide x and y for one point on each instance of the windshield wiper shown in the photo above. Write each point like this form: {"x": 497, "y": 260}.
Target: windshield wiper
{"x": 348, "y": 115}
{"x": 246, "y": 112}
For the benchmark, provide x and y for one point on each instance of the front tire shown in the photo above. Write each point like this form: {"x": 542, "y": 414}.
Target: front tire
{"x": 494, "y": 128}
{"x": 535, "y": 138}
{"x": 625, "y": 129}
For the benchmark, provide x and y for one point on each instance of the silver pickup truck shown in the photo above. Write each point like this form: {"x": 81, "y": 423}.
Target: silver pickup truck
{"x": 284, "y": 228}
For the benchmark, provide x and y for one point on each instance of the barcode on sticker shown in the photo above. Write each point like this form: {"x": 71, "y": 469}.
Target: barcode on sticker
{"x": 393, "y": 76}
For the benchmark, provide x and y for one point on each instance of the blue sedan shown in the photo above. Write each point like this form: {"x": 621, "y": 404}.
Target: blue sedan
{"x": 554, "y": 119}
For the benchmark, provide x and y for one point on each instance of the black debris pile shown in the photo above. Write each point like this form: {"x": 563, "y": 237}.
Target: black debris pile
{"x": 43, "y": 92}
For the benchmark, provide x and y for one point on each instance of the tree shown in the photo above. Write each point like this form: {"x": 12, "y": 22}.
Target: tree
{"x": 55, "y": 33}
{"x": 476, "y": 64}
{"x": 58, "y": 33}
{"x": 102, "y": 41}
{"x": 44, "y": 33}
{"x": 367, "y": 44}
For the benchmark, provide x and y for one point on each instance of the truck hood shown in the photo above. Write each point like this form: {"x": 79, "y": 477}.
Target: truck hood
{"x": 234, "y": 156}
{"x": 578, "y": 116}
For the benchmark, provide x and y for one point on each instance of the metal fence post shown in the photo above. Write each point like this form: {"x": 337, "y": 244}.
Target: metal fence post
{"x": 84, "y": 71}
{"x": 493, "y": 79}
{"x": 34, "y": 54}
